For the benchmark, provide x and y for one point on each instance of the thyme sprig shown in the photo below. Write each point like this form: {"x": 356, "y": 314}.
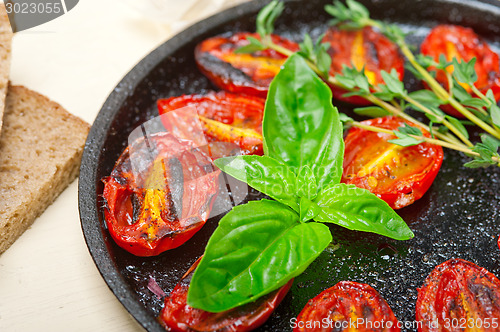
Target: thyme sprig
{"x": 391, "y": 97}
{"x": 355, "y": 14}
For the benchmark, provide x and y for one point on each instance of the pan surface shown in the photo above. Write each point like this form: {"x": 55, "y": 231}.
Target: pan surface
{"x": 458, "y": 217}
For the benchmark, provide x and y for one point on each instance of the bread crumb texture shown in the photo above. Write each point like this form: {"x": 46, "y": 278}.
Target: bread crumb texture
{"x": 40, "y": 150}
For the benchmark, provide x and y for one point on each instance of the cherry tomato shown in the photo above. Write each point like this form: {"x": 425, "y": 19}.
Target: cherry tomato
{"x": 398, "y": 175}
{"x": 177, "y": 315}
{"x": 347, "y": 306}
{"x": 157, "y": 201}
{"x": 240, "y": 73}
{"x": 464, "y": 44}
{"x": 459, "y": 296}
{"x": 225, "y": 117}
{"x": 362, "y": 48}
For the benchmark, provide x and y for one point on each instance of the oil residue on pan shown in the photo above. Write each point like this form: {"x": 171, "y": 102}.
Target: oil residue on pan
{"x": 458, "y": 217}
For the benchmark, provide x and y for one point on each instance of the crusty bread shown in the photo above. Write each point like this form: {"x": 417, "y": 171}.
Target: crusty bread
{"x": 40, "y": 149}
{"x": 5, "y": 50}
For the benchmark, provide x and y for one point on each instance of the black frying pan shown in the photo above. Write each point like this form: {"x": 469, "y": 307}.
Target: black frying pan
{"x": 458, "y": 217}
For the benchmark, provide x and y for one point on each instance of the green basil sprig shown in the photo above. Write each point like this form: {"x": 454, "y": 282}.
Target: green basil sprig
{"x": 261, "y": 245}
{"x": 257, "y": 248}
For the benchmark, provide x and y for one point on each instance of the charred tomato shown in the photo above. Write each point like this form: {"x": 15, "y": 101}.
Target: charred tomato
{"x": 159, "y": 194}
{"x": 362, "y": 48}
{"x": 347, "y": 306}
{"x": 459, "y": 296}
{"x": 398, "y": 175}
{"x": 224, "y": 117}
{"x": 177, "y": 315}
{"x": 463, "y": 43}
{"x": 240, "y": 73}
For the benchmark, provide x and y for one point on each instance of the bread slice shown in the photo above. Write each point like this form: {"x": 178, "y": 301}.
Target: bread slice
{"x": 40, "y": 149}
{"x": 5, "y": 50}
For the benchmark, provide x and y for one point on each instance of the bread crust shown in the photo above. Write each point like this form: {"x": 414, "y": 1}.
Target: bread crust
{"x": 40, "y": 150}
{"x": 5, "y": 52}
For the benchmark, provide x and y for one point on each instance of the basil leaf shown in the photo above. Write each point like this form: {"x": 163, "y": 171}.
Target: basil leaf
{"x": 301, "y": 127}
{"x": 264, "y": 174}
{"x": 358, "y": 209}
{"x": 257, "y": 248}
{"x": 306, "y": 184}
{"x": 308, "y": 209}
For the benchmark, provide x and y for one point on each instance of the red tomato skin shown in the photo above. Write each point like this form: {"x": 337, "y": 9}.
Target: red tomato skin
{"x": 379, "y": 54}
{"x": 404, "y": 191}
{"x": 248, "y": 80}
{"x": 467, "y": 45}
{"x": 177, "y": 315}
{"x": 458, "y": 289}
{"x": 121, "y": 187}
{"x": 239, "y": 111}
{"x": 343, "y": 301}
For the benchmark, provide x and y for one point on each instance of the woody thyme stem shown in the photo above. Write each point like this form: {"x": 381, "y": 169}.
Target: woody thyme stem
{"x": 443, "y": 94}
{"x": 377, "y": 101}
{"x": 423, "y": 138}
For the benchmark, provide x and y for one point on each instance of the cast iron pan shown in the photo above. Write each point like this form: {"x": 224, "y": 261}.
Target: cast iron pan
{"x": 458, "y": 217}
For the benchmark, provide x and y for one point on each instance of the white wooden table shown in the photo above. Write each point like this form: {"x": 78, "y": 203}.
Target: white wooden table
{"x": 48, "y": 281}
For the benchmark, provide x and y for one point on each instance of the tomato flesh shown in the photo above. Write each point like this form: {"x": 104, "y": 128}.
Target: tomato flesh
{"x": 363, "y": 48}
{"x": 347, "y": 306}
{"x": 459, "y": 296}
{"x": 177, "y": 315}
{"x": 225, "y": 117}
{"x": 240, "y": 73}
{"x": 398, "y": 175}
{"x": 165, "y": 204}
{"x": 463, "y": 43}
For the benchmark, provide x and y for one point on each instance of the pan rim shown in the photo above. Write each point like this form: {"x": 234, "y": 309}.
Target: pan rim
{"x": 87, "y": 188}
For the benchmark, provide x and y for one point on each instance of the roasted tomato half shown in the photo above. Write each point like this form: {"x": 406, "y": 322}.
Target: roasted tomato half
{"x": 464, "y": 44}
{"x": 459, "y": 296}
{"x": 177, "y": 315}
{"x": 364, "y": 48}
{"x": 159, "y": 194}
{"x": 225, "y": 117}
{"x": 398, "y": 175}
{"x": 240, "y": 73}
{"x": 347, "y": 306}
